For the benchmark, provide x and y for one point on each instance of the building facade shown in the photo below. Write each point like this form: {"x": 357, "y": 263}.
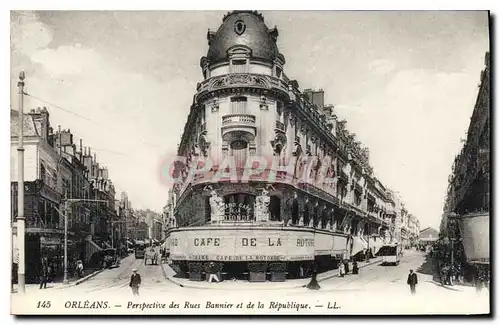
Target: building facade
{"x": 465, "y": 224}
{"x": 283, "y": 183}
{"x": 59, "y": 180}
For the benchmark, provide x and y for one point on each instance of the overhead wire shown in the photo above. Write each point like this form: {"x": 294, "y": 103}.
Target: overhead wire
{"x": 94, "y": 121}
{"x": 149, "y": 145}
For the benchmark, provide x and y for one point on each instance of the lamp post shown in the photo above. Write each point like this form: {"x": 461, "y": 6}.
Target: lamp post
{"x": 20, "y": 188}
{"x": 67, "y": 207}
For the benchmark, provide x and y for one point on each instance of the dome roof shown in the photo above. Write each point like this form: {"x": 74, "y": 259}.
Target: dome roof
{"x": 245, "y": 28}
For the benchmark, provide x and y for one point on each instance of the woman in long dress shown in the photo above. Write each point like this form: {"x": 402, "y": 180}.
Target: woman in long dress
{"x": 313, "y": 284}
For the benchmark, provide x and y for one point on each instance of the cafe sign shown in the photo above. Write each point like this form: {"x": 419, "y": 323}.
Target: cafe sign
{"x": 241, "y": 245}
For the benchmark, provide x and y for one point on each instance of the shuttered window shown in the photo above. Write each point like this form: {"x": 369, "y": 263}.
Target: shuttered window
{"x": 239, "y": 66}
{"x": 238, "y": 105}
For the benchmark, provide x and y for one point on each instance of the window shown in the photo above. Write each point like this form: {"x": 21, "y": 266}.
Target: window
{"x": 43, "y": 173}
{"x": 295, "y": 212}
{"x": 357, "y": 197}
{"x": 279, "y": 108}
{"x": 278, "y": 72}
{"x": 238, "y": 105}
{"x": 239, "y": 145}
{"x": 239, "y": 150}
{"x": 275, "y": 208}
{"x": 239, "y": 66}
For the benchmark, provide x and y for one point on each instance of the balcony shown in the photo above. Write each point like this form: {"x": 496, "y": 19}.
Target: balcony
{"x": 39, "y": 227}
{"x": 238, "y": 123}
{"x": 240, "y": 80}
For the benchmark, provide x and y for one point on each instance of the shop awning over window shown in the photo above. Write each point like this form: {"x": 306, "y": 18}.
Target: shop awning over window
{"x": 358, "y": 245}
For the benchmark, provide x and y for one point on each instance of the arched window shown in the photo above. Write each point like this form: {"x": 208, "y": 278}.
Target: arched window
{"x": 275, "y": 208}
{"x": 306, "y": 215}
{"x": 324, "y": 218}
{"x": 239, "y": 149}
{"x": 315, "y": 217}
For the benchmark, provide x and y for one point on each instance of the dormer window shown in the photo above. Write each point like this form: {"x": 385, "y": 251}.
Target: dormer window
{"x": 239, "y": 66}
{"x": 278, "y": 72}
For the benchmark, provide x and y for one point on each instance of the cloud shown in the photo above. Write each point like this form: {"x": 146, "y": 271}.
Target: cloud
{"x": 381, "y": 66}
{"x": 28, "y": 34}
{"x": 413, "y": 129}
{"x": 126, "y": 108}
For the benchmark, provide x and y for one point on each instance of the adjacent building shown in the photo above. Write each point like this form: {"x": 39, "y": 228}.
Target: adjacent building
{"x": 284, "y": 184}
{"x": 465, "y": 224}
{"x": 60, "y": 178}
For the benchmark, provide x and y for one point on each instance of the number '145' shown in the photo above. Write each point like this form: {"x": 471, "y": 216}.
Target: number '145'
{"x": 43, "y": 304}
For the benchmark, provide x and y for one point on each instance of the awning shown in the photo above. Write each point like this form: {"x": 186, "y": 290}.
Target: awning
{"x": 375, "y": 244}
{"x": 358, "y": 245}
{"x": 428, "y": 239}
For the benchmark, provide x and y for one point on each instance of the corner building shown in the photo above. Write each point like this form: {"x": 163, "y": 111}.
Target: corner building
{"x": 280, "y": 183}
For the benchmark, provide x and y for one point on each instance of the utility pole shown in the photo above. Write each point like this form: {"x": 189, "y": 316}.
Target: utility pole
{"x": 67, "y": 207}
{"x": 20, "y": 189}
{"x": 66, "y": 211}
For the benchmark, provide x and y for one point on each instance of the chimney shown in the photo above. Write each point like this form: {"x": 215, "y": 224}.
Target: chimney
{"x": 318, "y": 98}
{"x": 328, "y": 109}
{"x": 41, "y": 119}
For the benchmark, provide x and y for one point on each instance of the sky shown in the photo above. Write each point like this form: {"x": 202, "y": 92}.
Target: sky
{"x": 406, "y": 82}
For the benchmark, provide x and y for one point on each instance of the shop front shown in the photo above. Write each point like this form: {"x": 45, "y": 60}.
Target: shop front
{"x": 253, "y": 251}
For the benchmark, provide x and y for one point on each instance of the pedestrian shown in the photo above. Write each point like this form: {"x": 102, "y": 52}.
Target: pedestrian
{"x": 44, "y": 273}
{"x": 412, "y": 281}
{"x": 346, "y": 266}
{"x": 212, "y": 273}
{"x": 79, "y": 268}
{"x": 135, "y": 282}
{"x": 313, "y": 284}
{"x": 355, "y": 268}
{"x": 341, "y": 269}
{"x": 301, "y": 272}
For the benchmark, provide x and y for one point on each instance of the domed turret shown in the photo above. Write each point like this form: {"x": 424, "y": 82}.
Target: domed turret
{"x": 243, "y": 28}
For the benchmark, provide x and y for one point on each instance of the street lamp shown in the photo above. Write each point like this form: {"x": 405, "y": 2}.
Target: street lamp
{"x": 20, "y": 188}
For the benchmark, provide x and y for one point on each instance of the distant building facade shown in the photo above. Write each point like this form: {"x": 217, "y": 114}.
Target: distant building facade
{"x": 428, "y": 236}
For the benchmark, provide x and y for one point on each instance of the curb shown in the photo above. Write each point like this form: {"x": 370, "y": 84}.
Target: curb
{"x": 88, "y": 277}
{"x": 174, "y": 281}
{"x": 337, "y": 276}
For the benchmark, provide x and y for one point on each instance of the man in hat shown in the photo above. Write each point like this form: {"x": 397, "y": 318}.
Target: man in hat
{"x": 135, "y": 282}
{"x": 412, "y": 281}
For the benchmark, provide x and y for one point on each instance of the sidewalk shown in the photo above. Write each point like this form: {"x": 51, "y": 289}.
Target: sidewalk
{"x": 169, "y": 274}
{"x": 59, "y": 284}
